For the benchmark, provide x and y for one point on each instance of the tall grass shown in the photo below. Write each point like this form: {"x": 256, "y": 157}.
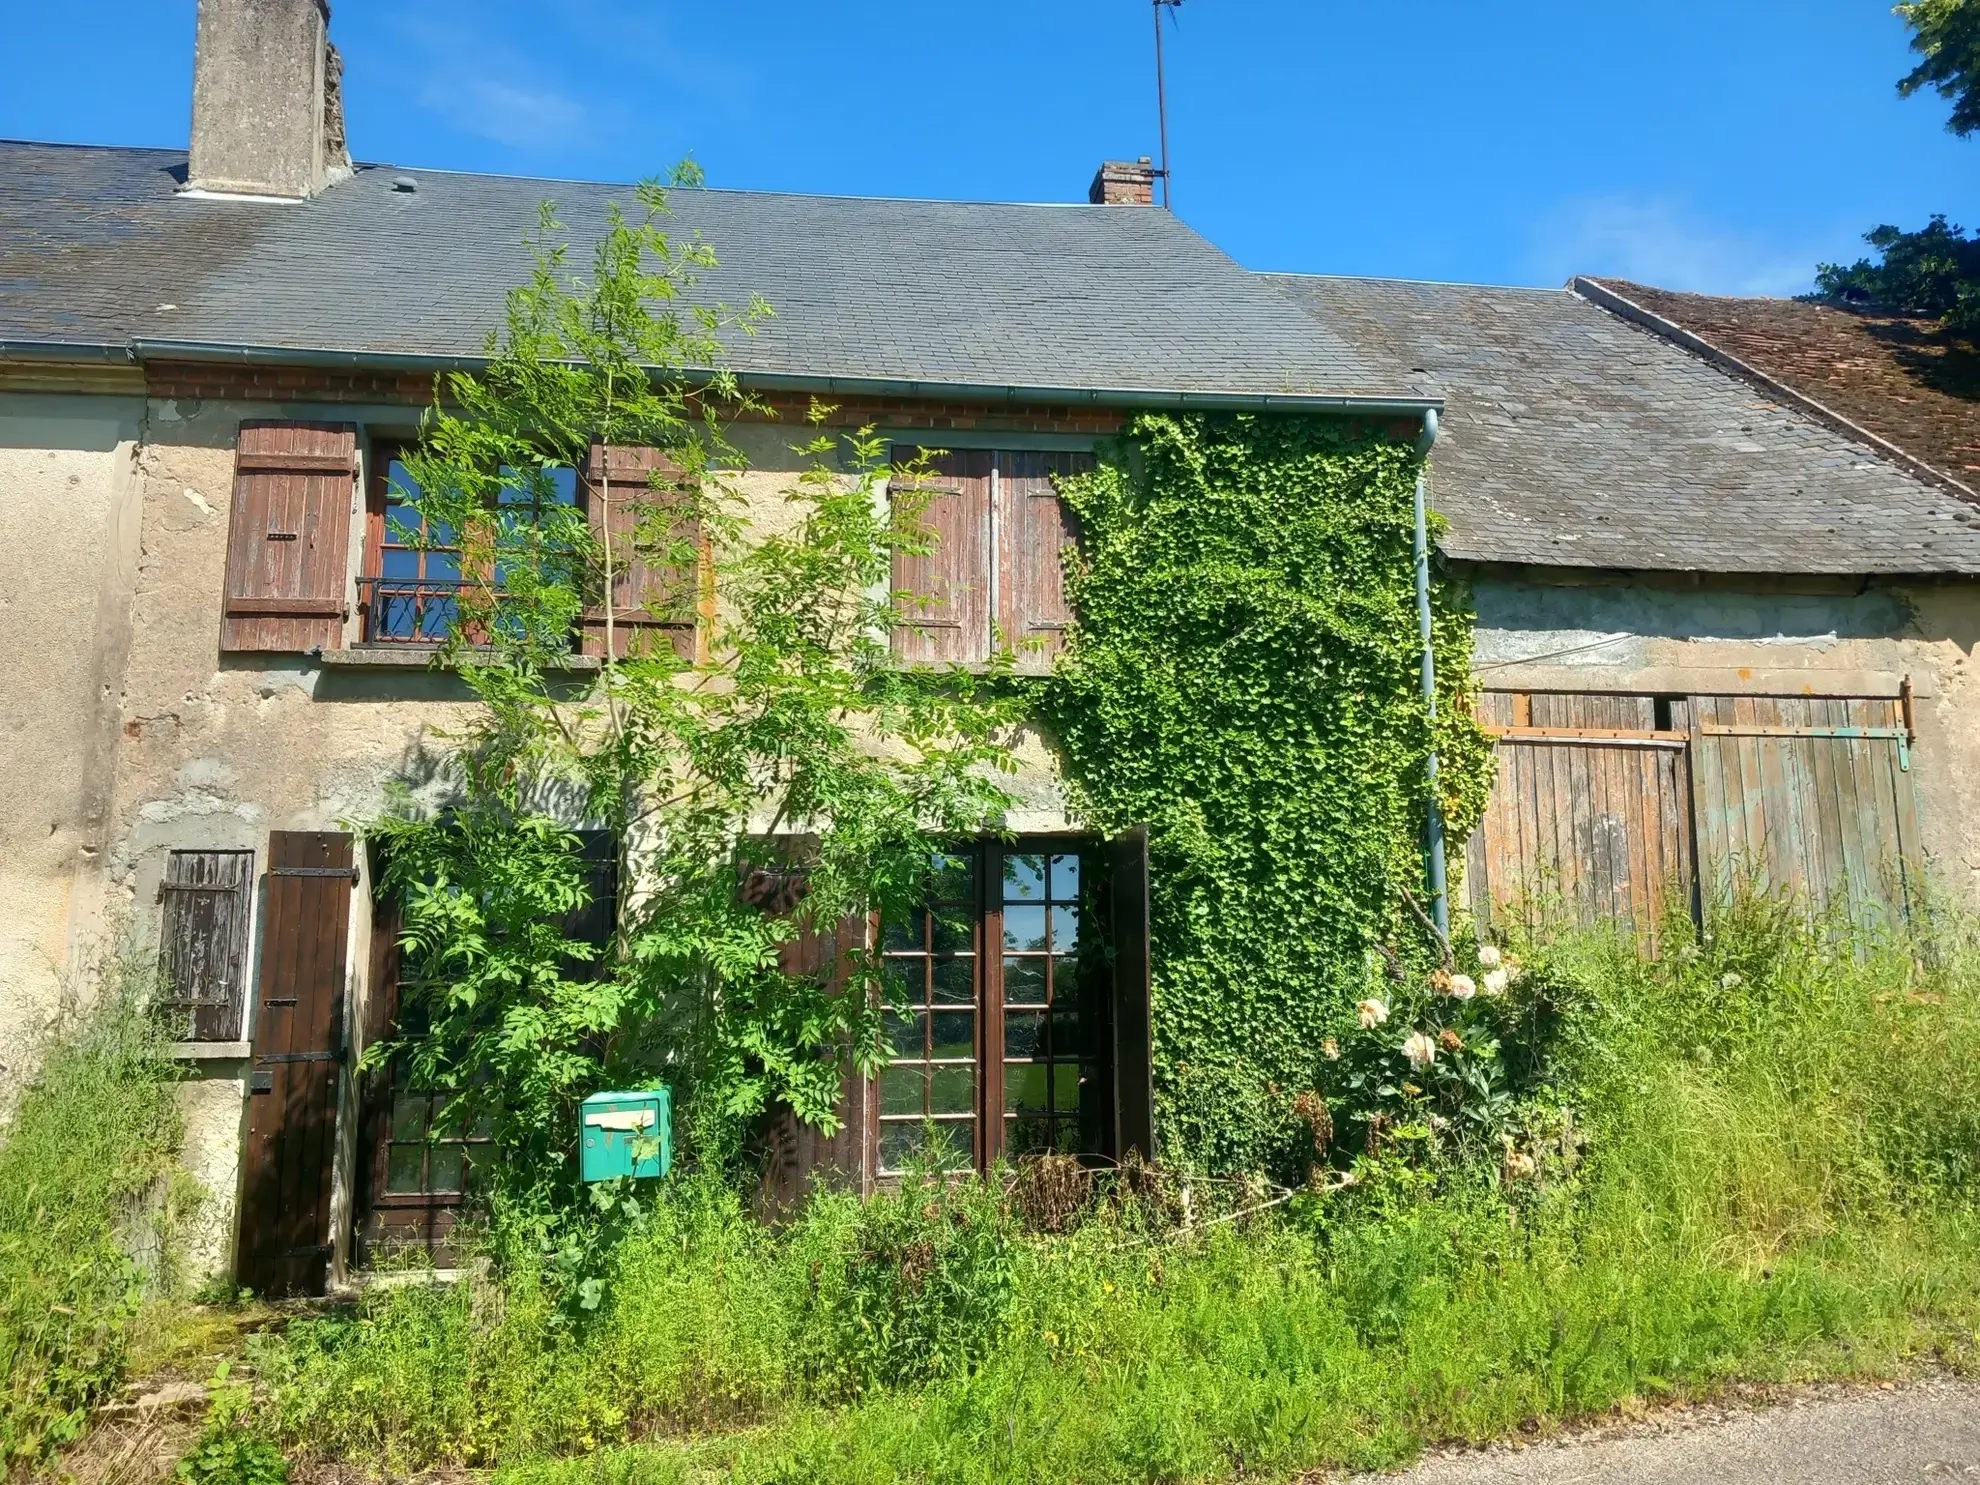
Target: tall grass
{"x": 1774, "y": 1178}
{"x": 83, "y": 1166}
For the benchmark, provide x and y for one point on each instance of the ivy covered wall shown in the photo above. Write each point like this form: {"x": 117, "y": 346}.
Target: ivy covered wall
{"x": 1244, "y": 679}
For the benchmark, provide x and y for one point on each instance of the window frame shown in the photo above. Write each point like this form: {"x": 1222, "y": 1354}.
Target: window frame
{"x": 992, "y": 1122}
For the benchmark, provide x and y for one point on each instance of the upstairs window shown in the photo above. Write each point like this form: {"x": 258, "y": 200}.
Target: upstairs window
{"x": 995, "y": 573}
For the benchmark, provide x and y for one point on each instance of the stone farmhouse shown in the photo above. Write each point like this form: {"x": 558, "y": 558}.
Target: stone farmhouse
{"x": 1726, "y": 574}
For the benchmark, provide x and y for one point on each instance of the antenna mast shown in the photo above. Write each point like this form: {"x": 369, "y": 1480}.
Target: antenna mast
{"x": 1162, "y": 100}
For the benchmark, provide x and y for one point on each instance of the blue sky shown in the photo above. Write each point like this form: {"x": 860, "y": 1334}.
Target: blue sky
{"x": 1723, "y": 145}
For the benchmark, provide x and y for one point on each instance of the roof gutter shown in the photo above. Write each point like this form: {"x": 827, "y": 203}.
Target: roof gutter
{"x": 142, "y": 348}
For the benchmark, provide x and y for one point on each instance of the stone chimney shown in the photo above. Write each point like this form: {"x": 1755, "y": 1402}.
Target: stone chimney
{"x": 1119, "y": 183}
{"x": 268, "y": 110}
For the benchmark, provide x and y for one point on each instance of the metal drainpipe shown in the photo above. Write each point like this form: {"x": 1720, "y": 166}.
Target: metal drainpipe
{"x": 1440, "y": 904}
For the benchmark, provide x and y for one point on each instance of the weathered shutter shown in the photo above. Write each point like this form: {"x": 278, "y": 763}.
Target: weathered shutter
{"x": 207, "y": 897}
{"x": 1034, "y": 528}
{"x": 945, "y": 617}
{"x": 1132, "y": 1018}
{"x": 288, "y": 544}
{"x": 797, "y": 1157}
{"x": 285, "y": 1238}
{"x": 652, "y": 604}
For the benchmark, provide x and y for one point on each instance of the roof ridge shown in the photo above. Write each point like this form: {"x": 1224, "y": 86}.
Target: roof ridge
{"x": 1385, "y": 278}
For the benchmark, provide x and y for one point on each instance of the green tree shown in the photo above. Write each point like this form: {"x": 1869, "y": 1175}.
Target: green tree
{"x": 785, "y": 721}
{"x": 1947, "y": 34}
{"x": 1934, "y": 271}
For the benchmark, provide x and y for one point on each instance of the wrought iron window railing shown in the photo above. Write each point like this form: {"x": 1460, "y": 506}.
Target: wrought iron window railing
{"x": 415, "y": 611}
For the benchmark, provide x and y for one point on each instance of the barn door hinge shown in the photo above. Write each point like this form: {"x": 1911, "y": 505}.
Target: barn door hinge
{"x": 1898, "y": 735}
{"x": 348, "y": 873}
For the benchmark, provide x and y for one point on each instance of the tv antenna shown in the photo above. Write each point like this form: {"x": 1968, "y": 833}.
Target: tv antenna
{"x": 1162, "y": 98}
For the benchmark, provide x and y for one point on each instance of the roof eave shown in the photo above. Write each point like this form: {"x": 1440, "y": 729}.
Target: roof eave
{"x": 140, "y": 349}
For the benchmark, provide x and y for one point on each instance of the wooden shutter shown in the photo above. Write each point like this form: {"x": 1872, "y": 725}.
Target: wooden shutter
{"x": 1033, "y": 530}
{"x": 288, "y": 545}
{"x": 946, "y": 620}
{"x": 207, "y": 899}
{"x": 651, "y": 605}
{"x": 1590, "y": 821}
{"x": 285, "y": 1237}
{"x": 1132, "y": 1019}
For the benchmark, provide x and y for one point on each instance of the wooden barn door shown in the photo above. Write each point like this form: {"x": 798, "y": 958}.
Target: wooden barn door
{"x": 1810, "y": 796}
{"x": 285, "y": 1233}
{"x": 1590, "y": 822}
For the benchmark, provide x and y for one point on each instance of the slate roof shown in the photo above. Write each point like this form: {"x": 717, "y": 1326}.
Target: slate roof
{"x": 94, "y": 240}
{"x": 1902, "y": 377}
{"x": 1574, "y": 438}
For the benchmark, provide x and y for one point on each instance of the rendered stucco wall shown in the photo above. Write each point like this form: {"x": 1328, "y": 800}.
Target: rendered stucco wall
{"x": 68, "y": 526}
{"x": 1652, "y": 635}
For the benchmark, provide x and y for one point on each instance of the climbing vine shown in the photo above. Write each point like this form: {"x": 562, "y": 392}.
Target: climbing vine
{"x": 1244, "y": 679}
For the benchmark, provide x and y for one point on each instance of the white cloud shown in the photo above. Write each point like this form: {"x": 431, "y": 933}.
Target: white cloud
{"x": 522, "y": 118}
{"x": 1663, "y": 242}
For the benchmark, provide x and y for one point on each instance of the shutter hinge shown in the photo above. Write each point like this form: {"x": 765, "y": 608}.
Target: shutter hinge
{"x": 348, "y": 873}
{"x": 268, "y": 1057}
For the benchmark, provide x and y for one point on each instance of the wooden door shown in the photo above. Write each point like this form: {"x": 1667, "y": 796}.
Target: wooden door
{"x": 1590, "y": 822}
{"x": 1810, "y": 796}
{"x": 298, "y": 1035}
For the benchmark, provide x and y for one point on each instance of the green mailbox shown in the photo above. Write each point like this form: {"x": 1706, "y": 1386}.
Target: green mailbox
{"x": 626, "y": 1134}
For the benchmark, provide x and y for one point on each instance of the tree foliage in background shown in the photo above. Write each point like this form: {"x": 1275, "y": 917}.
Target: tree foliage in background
{"x": 1947, "y": 34}
{"x": 1244, "y": 679}
{"x": 1934, "y": 271}
{"x": 787, "y": 719}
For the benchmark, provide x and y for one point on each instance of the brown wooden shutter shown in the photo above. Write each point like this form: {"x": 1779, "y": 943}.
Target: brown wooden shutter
{"x": 288, "y": 546}
{"x": 953, "y": 625}
{"x": 208, "y": 899}
{"x": 798, "y": 1158}
{"x": 1033, "y": 529}
{"x": 651, "y": 605}
{"x": 285, "y": 1237}
{"x": 1134, "y": 1056}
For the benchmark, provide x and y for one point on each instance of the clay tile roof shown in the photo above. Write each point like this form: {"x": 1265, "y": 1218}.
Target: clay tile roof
{"x": 1900, "y": 377}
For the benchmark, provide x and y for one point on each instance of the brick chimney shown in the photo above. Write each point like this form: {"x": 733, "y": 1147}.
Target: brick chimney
{"x": 268, "y": 112}
{"x": 1119, "y": 183}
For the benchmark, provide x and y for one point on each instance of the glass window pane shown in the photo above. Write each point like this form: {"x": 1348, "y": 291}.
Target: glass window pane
{"x": 905, "y": 935}
{"x": 953, "y": 1143}
{"x": 955, "y": 1034}
{"x": 901, "y": 1089}
{"x": 398, "y": 562}
{"x": 563, "y": 484}
{"x": 443, "y": 567}
{"x": 1065, "y": 878}
{"x": 898, "y": 1142}
{"x": 955, "y": 981}
{"x": 442, "y": 533}
{"x": 483, "y": 1126}
{"x": 1065, "y": 1087}
{"x": 444, "y": 1167}
{"x": 952, "y": 878}
{"x": 954, "y": 1091}
{"x": 1025, "y": 1087}
{"x": 1027, "y": 1137}
{"x": 1024, "y": 981}
{"x": 905, "y": 1034}
{"x": 1065, "y": 1031}
{"x": 1065, "y": 929}
{"x": 1024, "y": 928}
{"x": 399, "y": 481}
{"x": 955, "y": 931}
{"x": 1024, "y": 879}
{"x": 405, "y": 1169}
{"x": 1024, "y": 1033}
{"x": 408, "y": 1116}
{"x": 436, "y": 617}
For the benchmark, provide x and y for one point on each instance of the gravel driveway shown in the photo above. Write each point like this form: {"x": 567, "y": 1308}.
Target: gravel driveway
{"x": 1921, "y": 1431}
